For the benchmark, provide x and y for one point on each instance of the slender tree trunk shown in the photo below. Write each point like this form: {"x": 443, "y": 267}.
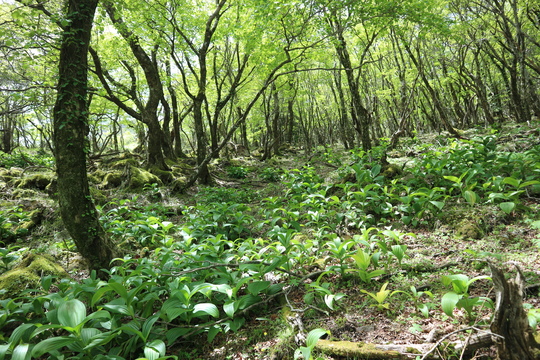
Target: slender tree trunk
{"x": 70, "y": 139}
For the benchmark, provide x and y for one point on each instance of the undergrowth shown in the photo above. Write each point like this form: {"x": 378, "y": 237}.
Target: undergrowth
{"x": 207, "y": 268}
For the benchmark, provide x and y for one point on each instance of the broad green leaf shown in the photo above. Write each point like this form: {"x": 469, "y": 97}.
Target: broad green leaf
{"x": 229, "y": 308}
{"x": 20, "y": 352}
{"x": 22, "y": 333}
{"x": 448, "y": 303}
{"x": 438, "y": 204}
{"x": 529, "y": 183}
{"x": 452, "y": 178}
{"x": 52, "y": 344}
{"x": 175, "y": 333}
{"x": 212, "y": 332}
{"x": 154, "y": 349}
{"x": 511, "y": 181}
{"x": 314, "y": 335}
{"x": 88, "y": 333}
{"x": 470, "y": 197}
{"x": 71, "y": 313}
{"x": 206, "y": 308}
{"x": 507, "y": 206}
{"x": 257, "y": 287}
{"x": 147, "y": 326}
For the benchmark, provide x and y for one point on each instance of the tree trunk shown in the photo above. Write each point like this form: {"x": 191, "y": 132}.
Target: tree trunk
{"x": 510, "y": 321}
{"x": 70, "y": 139}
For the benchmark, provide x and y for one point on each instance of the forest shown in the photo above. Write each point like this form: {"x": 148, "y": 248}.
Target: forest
{"x": 269, "y": 179}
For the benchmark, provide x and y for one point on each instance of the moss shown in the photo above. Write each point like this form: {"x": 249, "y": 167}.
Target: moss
{"x": 98, "y": 175}
{"x": 468, "y": 229}
{"x": 121, "y": 164}
{"x": 391, "y": 171}
{"x": 360, "y": 349}
{"x": 35, "y": 219}
{"x": 36, "y": 181}
{"x": 112, "y": 179}
{"x": 98, "y": 196}
{"x": 140, "y": 177}
{"x": 28, "y": 274}
{"x": 163, "y": 175}
{"x": 24, "y": 193}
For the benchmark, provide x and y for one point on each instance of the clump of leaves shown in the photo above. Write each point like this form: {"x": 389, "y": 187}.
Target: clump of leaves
{"x": 237, "y": 172}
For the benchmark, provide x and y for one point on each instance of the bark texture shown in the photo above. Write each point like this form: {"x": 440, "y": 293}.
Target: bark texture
{"x": 70, "y": 138}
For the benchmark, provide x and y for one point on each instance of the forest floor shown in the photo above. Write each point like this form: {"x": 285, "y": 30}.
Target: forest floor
{"x": 458, "y": 241}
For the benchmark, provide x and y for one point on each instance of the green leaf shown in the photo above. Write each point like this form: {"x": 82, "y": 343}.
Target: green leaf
{"x": 20, "y": 352}
{"x": 448, "y": 303}
{"x": 507, "y": 206}
{"x": 147, "y": 326}
{"x": 452, "y": 178}
{"x": 229, "y": 308}
{"x": 175, "y": 333}
{"x": 154, "y": 349}
{"x": 511, "y": 181}
{"x": 71, "y": 313}
{"x": 314, "y": 335}
{"x": 258, "y": 286}
{"x": 212, "y": 332}
{"x": 438, "y": 204}
{"x": 206, "y": 308}
{"x": 52, "y": 344}
{"x": 470, "y": 197}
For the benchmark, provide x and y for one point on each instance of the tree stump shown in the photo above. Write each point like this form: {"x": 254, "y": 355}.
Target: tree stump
{"x": 510, "y": 319}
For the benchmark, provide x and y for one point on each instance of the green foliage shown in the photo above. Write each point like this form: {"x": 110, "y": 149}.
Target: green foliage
{"x": 381, "y": 297}
{"x": 210, "y": 195}
{"x": 271, "y": 174}
{"x": 459, "y": 297}
{"x": 10, "y": 221}
{"x": 22, "y": 160}
{"x": 7, "y": 256}
{"x": 311, "y": 340}
{"x": 237, "y": 172}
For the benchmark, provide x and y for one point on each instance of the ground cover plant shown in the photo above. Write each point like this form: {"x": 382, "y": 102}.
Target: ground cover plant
{"x": 260, "y": 268}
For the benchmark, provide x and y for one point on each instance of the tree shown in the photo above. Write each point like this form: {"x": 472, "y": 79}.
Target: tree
{"x": 70, "y": 138}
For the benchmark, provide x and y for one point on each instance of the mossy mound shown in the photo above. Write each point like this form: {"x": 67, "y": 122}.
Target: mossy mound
{"x": 121, "y": 164}
{"x": 139, "y": 177}
{"x": 9, "y": 174}
{"x": 112, "y": 179}
{"x": 163, "y": 175}
{"x": 468, "y": 229}
{"x": 35, "y": 181}
{"x": 27, "y": 275}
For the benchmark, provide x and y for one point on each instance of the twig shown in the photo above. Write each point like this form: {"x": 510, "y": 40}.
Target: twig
{"x": 453, "y": 333}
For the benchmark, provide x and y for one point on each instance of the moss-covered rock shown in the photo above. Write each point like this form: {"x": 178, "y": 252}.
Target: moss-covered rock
{"x": 163, "y": 175}
{"x": 98, "y": 196}
{"x": 391, "y": 171}
{"x": 27, "y": 275}
{"x": 112, "y": 179}
{"x": 124, "y": 163}
{"x": 35, "y": 218}
{"x": 140, "y": 177}
{"x": 468, "y": 229}
{"x": 35, "y": 181}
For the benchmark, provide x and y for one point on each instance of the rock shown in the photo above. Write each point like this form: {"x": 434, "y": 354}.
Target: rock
{"x": 27, "y": 275}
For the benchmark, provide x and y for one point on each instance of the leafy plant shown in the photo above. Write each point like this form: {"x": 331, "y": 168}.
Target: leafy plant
{"x": 459, "y": 297}
{"x": 271, "y": 174}
{"x": 237, "y": 172}
{"x": 417, "y": 297}
{"x": 311, "y": 340}
{"x": 381, "y": 296}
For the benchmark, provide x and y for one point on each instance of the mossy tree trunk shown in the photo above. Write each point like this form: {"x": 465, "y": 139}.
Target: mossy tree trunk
{"x": 70, "y": 138}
